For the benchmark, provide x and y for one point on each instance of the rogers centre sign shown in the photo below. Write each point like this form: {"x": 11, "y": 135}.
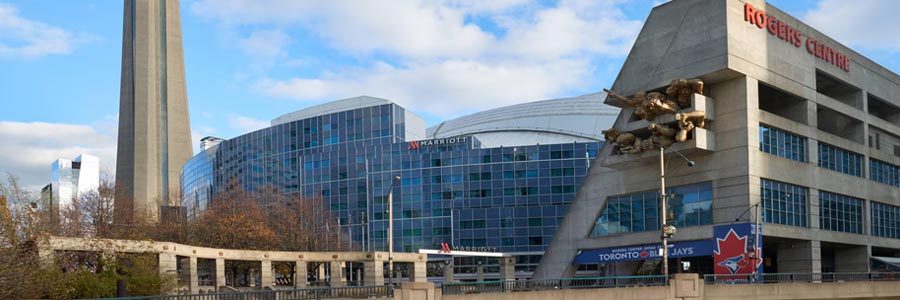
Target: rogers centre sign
{"x": 793, "y": 36}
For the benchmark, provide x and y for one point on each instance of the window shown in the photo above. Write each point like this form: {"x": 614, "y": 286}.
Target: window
{"x": 562, "y": 172}
{"x": 690, "y": 205}
{"x": 535, "y": 240}
{"x": 782, "y": 143}
{"x": 783, "y": 203}
{"x": 562, "y": 189}
{"x": 440, "y": 231}
{"x": 840, "y": 213}
{"x": 837, "y": 159}
{"x": 535, "y": 222}
{"x": 885, "y": 220}
{"x": 883, "y": 172}
{"x": 471, "y": 224}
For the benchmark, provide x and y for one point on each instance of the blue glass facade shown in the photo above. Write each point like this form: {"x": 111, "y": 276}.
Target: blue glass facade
{"x": 511, "y": 198}
{"x": 840, "y": 213}
{"x": 883, "y": 172}
{"x": 691, "y": 205}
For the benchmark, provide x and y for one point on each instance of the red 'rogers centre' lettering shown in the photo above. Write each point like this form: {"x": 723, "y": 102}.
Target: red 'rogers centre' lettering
{"x": 793, "y": 36}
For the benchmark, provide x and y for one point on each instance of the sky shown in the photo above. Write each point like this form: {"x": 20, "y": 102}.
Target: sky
{"x": 250, "y": 61}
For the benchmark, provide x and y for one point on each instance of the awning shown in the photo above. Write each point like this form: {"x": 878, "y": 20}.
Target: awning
{"x": 893, "y": 261}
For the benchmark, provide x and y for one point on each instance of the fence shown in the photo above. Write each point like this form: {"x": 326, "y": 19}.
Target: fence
{"x": 362, "y": 292}
{"x": 801, "y": 277}
{"x": 456, "y": 288}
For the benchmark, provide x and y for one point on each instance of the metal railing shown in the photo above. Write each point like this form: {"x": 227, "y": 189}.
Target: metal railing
{"x": 360, "y": 292}
{"x": 456, "y": 288}
{"x": 801, "y": 277}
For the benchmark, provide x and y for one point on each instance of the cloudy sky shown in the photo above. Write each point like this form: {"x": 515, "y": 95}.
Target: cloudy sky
{"x": 249, "y": 61}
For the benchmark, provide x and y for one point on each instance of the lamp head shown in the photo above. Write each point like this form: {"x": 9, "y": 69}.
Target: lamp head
{"x": 691, "y": 163}
{"x": 396, "y": 178}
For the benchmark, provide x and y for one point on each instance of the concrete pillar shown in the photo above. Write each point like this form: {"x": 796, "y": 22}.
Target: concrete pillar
{"x": 193, "y": 278}
{"x": 852, "y": 259}
{"x": 168, "y": 264}
{"x": 374, "y": 272}
{"x": 300, "y": 270}
{"x": 266, "y": 278}
{"x": 448, "y": 271}
{"x": 337, "y": 274}
{"x": 320, "y": 273}
{"x": 417, "y": 272}
{"x": 480, "y": 272}
{"x": 507, "y": 268}
{"x": 220, "y": 273}
{"x": 800, "y": 257}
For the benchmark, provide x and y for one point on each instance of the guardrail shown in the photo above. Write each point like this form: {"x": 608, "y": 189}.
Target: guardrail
{"x": 801, "y": 277}
{"x": 359, "y": 292}
{"x": 456, "y": 288}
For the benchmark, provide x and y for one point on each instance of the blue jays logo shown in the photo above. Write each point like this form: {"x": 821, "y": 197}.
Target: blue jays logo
{"x": 733, "y": 264}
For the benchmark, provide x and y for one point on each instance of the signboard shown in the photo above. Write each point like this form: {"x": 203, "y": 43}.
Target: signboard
{"x": 447, "y": 249}
{"x": 632, "y": 253}
{"x": 792, "y": 36}
{"x": 737, "y": 249}
{"x": 413, "y": 145}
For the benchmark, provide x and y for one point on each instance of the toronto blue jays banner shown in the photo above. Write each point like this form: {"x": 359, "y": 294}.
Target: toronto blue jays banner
{"x": 738, "y": 249}
{"x": 677, "y": 249}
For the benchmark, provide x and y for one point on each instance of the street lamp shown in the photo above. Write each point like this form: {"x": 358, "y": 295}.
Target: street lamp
{"x": 667, "y": 230}
{"x": 391, "y": 231}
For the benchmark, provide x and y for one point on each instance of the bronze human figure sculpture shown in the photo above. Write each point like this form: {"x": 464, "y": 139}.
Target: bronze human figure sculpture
{"x": 662, "y": 135}
{"x": 687, "y": 122}
{"x": 680, "y": 90}
{"x": 628, "y": 143}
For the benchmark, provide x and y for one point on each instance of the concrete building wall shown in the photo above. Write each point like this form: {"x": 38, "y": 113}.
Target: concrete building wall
{"x": 743, "y": 66}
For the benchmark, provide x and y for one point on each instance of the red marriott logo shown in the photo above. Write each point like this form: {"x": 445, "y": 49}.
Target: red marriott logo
{"x": 413, "y": 145}
{"x": 445, "y": 248}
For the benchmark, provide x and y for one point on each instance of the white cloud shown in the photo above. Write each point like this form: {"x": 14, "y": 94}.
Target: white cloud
{"x": 24, "y": 38}
{"x": 430, "y": 55}
{"x": 246, "y": 124}
{"x": 852, "y": 22}
{"x": 266, "y": 43}
{"x": 28, "y": 149}
{"x": 441, "y": 88}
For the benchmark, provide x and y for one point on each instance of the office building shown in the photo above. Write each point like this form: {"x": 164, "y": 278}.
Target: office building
{"x": 70, "y": 179}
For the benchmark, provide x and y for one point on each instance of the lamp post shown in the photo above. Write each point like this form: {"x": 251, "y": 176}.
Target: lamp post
{"x": 667, "y": 230}
{"x": 391, "y": 231}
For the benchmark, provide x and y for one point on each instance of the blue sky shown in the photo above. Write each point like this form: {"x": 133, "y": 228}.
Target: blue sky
{"x": 249, "y": 61}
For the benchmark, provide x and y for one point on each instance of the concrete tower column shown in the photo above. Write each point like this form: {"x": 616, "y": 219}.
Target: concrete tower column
{"x": 374, "y": 272}
{"x": 337, "y": 274}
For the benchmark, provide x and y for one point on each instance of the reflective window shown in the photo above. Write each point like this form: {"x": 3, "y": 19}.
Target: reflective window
{"x": 840, "y": 213}
{"x": 885, "y": 220}
{"x": 782, "y": 143}
{"x": 690, "y": 205}
{"x": 883, "y": 172}
{"x": 837, "y": 159}
{"x": 783, "y": 203}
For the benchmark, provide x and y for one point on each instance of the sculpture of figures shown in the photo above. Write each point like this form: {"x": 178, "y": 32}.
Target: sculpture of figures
{"x": 657, "y": 104}
{"x": 681, "y": 90}
{"x": 633, "y": 102}
{"x": 627, "y": 142}
{"x": 662, "y": 135}
{"x": 687, "y": 122}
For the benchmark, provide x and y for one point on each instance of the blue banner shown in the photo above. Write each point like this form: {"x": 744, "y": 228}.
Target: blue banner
{"x": 631, "y": 253}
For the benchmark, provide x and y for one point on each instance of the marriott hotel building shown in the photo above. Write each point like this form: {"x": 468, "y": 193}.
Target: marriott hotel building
{"x": 501, "y": 179}
{"x": 797, "y": 123}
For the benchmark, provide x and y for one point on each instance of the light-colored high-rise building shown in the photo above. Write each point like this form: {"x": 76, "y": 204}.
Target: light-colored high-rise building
{"x": 154, "y": 129}
{"x": 72, "y": 178}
